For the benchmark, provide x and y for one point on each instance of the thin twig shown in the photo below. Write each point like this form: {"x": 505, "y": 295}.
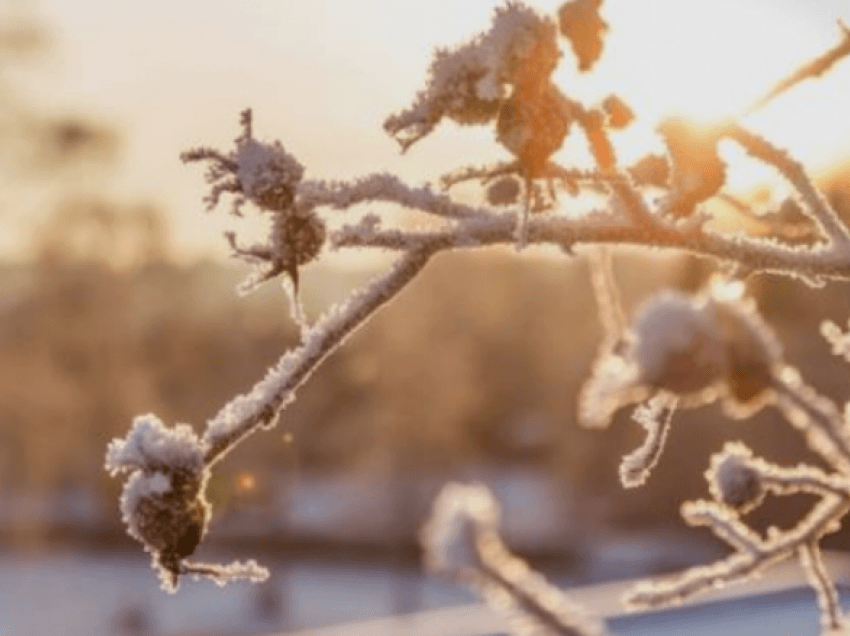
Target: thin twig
{"x": 830, "y": 606}
{"x": 822, "y": 424}
{"x": 818, "y": 210}
{"x": 815, "y": 68}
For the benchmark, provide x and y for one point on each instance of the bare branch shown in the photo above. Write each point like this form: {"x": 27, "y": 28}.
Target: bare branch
{"x": 815, "y": 68}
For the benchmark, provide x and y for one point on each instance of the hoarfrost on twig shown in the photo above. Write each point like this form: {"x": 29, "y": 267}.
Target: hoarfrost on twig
{"x": 461, "y": 540}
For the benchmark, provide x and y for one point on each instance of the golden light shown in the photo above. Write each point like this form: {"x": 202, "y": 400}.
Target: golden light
{"x": 710, "y": 61}
{"x": 245, "y": 483}
{"x": 322, "y": 75}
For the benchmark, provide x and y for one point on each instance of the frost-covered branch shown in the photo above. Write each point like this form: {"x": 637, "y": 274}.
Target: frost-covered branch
{"x": 461, "y": 540}
{"x": 340, "y": 195}
{"x": 753, "y": 553}
{"x": 679, "y": 352}
{"x": 261, "y": 406}
{"x": 602, "y": 227}
{"x": 813, "y": 69}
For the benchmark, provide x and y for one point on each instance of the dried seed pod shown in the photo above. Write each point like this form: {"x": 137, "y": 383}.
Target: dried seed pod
{"x": 533, "y": 126}
{"x": 166, "y": 510}
{"x": 466, "y": 107}
{"x": 276, "y": 197}
{"x": 533, "y": 69}
{"x": 733, "y": 481}
{"x": 468, "y": 83}
{"x": 267, "y": 174}
{"x": 297, "y": 239}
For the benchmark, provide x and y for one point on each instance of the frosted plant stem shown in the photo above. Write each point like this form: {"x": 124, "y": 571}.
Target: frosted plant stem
{"x": 485, "y": 173}
{"x": 830, "y": 607}
{"x": 818, "y": 419}
{"x": 607, "y": 293}
{"x": 521, "y": 231}
{"x": 816, "y": 207}
{"x": 264, "y": 407}
{"x": 655, "y": 417}
{"x": 531, "y": 605}
{"x": 756, "y": 555}
{"x": 816, "y": 67}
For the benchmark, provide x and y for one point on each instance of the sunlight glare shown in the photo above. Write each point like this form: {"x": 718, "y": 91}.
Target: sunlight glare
{"x": 708, "y": 61}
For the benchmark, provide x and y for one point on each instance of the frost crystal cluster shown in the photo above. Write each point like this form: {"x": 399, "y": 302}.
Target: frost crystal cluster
{"x": 679, "y": 351}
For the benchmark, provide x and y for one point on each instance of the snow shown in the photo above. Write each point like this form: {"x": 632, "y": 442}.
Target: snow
{"x": 86, "y": 594}
{"x": 63, "y": 594}
{"x": 263, "y": 166}
{"x": 150, "y": 444}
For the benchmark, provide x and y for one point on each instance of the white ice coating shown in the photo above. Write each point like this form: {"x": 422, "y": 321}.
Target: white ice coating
{"x": 151, "y": 444}
{"x": 263, "y": 165}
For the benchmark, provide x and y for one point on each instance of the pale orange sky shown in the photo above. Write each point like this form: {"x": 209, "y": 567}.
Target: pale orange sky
{"x": 321, "y": 75}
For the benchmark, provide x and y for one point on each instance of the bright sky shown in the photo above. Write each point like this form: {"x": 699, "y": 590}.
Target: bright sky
{"x": 321, "y": 75}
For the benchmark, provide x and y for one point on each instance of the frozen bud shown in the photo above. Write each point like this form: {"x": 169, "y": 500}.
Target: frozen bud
{"x": 752, "y": 351}
{"x": 733, "y": 480}
{"x": 504, "y": 191}
{"x": 677, "y": 346}
{"x": 267, "y": 174}
{"x": 162, "y": 503}
{"x": 168, "y": 513}
{"x": 297, "y": 239}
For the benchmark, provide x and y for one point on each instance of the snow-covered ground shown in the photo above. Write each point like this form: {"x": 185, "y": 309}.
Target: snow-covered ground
{"x": 99, "y": 595}
{"x": 117, "y": 595}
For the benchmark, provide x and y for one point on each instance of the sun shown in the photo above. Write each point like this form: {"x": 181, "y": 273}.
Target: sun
{"x": 711, "y": 61}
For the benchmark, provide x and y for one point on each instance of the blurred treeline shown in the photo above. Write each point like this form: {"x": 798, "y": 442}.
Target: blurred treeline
{"x": 478, "y": 362}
